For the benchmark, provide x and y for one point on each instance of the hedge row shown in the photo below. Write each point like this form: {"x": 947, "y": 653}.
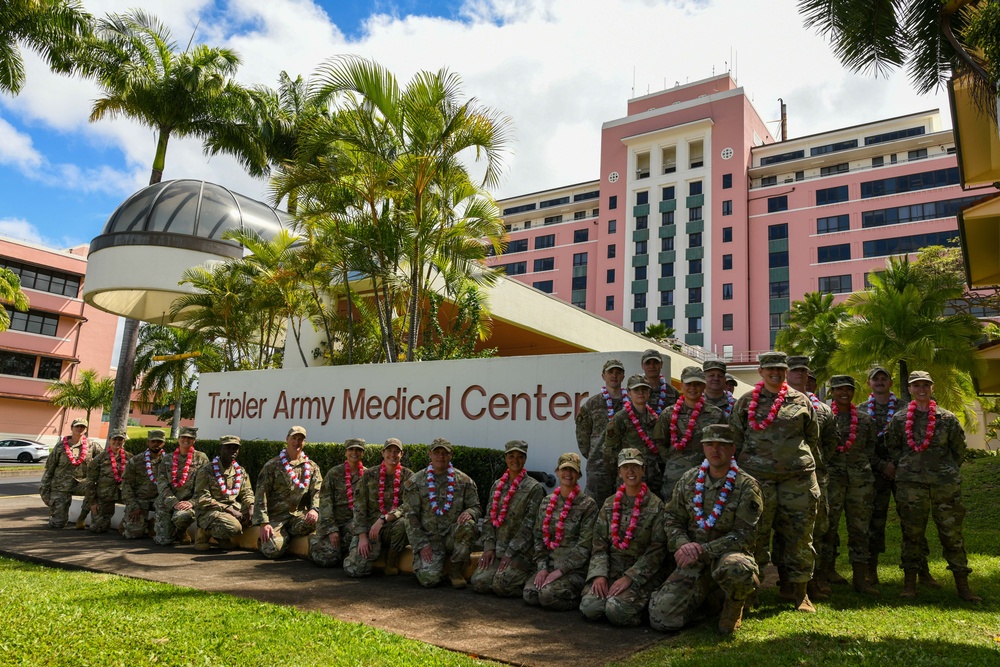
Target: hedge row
{"x": 484, "y": 466}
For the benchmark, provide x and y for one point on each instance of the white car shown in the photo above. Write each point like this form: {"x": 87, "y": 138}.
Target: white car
{"x": 23, "y": 451}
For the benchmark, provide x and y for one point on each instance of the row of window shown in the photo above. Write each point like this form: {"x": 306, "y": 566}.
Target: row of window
{"x": 44, "y": 280}
{"x": 883, "y": 247}
{"x": 845, "y": 167}
{"x": 841, "y": 146}
{"x": 33, "y": 322}
{"x": 29, "y": 366}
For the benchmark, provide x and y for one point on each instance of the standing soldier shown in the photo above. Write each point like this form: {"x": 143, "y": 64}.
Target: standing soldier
{"x": 592, "y": 428}
{"x": 564, "y": 538}
{"x": 731, "y": 383}
{"x": 442, "y": 508}
{"x": 627, "y": 553}
{"x": 633, "y": 427}
{"x": 287, "y": 499}
{"x": 378, "y": 513}
{"x": 661, "y": 392}
{"x": 139, "y": 488}
{"x": 336, "y": 507}
{"x": 712, "y": 549}
{"x": 104, "y": 482}
{"x": 65, "y": 476}
{"x": 717, "y": 392}
{"x": 851, "y": 485}
{"x": 777, "y": 438}
{"x": 927, "y": 446}
{"x": 677, "y": 433}
{"x": 508, "y": 529}
{"x": 223, "y": 497}
{"x": 175, "y": 480}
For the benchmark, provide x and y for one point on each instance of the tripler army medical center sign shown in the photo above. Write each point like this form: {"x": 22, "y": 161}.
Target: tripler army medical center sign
{"x": 472, "y": 402}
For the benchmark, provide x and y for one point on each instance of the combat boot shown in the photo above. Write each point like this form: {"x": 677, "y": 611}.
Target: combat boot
{"x": 871, "y": 576}
{"x": 816, "y": 591}
{"x": 201, "y": 540}
{"x": 802, "y": 602}
{"x": 833, "y": 576}
{"x": 924, "y": 578}
{"x": 909, "y": 591}
{"x": 454, "y": 572}
{"x": 185, "y": 537}
{"x": 391, "y": 563}
{"x": 860, "y": 581}
{"x": 732, "y": 616}
{"x": 784, "y": 585}
{"x": 81, "y": 523}
{"x": 964, "y": 592}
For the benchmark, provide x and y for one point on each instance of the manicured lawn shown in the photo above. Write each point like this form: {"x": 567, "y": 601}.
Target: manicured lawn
{"x": 143, "y": 431}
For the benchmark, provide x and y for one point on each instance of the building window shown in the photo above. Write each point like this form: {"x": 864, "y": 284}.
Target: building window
{"x": 612, "y": 202}
{"x": 694, "y": 240}
{"x": 639, "y": 300}
{"x": 777, "y": 321}
{"x": 836, "y": 223}
{"x": 581, "y": 235}
{"x": 727, "y": 234}
{"x": 833, "y": 148}
{"x": 21, "y": 365}
{"x": 543, "y": 285}
{"x": 642, "y": 198}
{"x": 878, "y": 161}
{"x": 667, "y": 244}
{"x": 841, "y": 168}
{"x": 667, "y": 298}
{"x": 612, "y": 226}
{"x": 668, "y": 323}
{"x": 694, "y": 214}
{"x": 667, "y": 218}
{"x": 800, "y": 175}
{"x": 775, "y": 204}
{"x": 694, "y": 325}
{"x": 694, "y": 295}
{"x": 694, "y": 266}
{"x": 782, "y": 157}
{"x": 835, "y": 284}
{"x": 519, "y": 209}
{"x": 668, "y": 193}
{"x": 929, "y": 179}
{"x": 727, "y": 322}
{"x": 727, "y": 207}
{"x": 581, "y": 304}
{"x": 641, "y": 247}
{"x": 579, "y": 215}
{"x": 777, "y": 260}
{"x": 514, "y": 268}
{"x": 32, "y": 322}
{"x": 768, "y": 180}
{"x": 579, "y": 282}
{"x": 919, "y": 154}
{"x": 779, "y": 290}
{"x": 727, "y": 262}
{"x": 727, "y": 291}
{"x": 833, "y": 253}
{"x": 44, "y": 280}
{"x": 831, "y": 195}
{"x": 927, "y": 211}
{"x": 595, "y": 212}
{"x": 49, "y": 369}
{"x": 641, "y": 221}
{"x": 611, "y": 251}
{"x": 892, "y": 136}
{"x": 775, "y": 232}
{"x": 640, "y": 273}
{"x": 546, "y": 241}
{"x": 527, "y": 224}
{"x": 611, "y": 276}
{"x": 553, "y": 219}
{"x": 638, "y": 327}
{"x": 558, "y": 201}
{"x": 609, "y": 303}
{"x": 694, "y": 188}
{"x": 666, "y": 270}
{"x": 727, "y": 181}
{"x": 545, "y": 264}
{"x": 906, "y": 244}
{"x": 520, "y": 245}
{"x": 580, "y": 259}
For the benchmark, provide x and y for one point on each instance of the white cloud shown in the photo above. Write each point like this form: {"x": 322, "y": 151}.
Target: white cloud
{"x": 18, "y": 150}
{"x": 20, "y": 229}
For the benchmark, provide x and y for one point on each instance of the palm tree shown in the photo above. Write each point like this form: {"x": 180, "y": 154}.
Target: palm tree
{"x": 659, "y": 331}
{"x": 88, "y": 393}
{"x": 812, "y": 331}
{"x": 144, "y": 76}
{"x": 51, "y": 28}
{"x": 10, "y": 293}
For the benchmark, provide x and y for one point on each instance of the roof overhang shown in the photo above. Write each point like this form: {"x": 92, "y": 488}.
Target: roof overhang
{"x": 979, "y": 229}
{"x": 977, "y": 137}
{"x": 988, "y": 383}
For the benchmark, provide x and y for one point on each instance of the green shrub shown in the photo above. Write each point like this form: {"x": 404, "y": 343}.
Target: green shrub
{"x": 973, "y": 454}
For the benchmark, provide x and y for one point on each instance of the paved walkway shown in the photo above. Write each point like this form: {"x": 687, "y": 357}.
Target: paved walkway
{"x": 483, "y": 626}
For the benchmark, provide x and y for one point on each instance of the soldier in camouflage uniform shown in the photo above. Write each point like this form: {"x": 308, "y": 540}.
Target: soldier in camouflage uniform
{"x": 661, "y": 391}
{"x": 592, "y": 429}
{"x": 286, "y": 503}
{"x": 139, "y": 488}
{"x": 223, "y": 497}
{"x": 713, "y": 548}
{"x": 65, "y": 476}
{"x": 716, "y": 391}
{"x": 508, "y": 528}
{"x": 104, "y": 482}
{"x": 175, "y": 480}
{"x": 625, "y": 563}
{"x": 333, "y": 534}
{"x": 881, "y": 407}
{"x": 680, "y": 446}
{"x": 378, "y": 513}
{"x": 623, "y": 432}
{"x": 563, "y": 541}
{"x": 851, "y": 486}
{"x": 779, "y": 449}
{"x": 927, "y": 446}
{"x": 442, "y": 511}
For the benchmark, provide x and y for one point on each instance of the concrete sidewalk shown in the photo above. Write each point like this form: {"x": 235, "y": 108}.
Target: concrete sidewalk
{"x": 483, "y": 626}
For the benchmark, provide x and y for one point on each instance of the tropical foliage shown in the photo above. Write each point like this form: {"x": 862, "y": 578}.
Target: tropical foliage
{"x": 812, "y": 331}
{"x": 89, "y": 392}
{"x": 50, "y": 28}
{"x": 10, "y": 294}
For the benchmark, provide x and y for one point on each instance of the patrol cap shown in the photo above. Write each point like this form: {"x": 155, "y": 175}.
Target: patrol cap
{"x": 731, "y": 378}
{"x": 569, "y": 460}
{"x": 798, "y": 361}
{"x": 842, "y": 381}
{"x": 637, "y": 381}
{"x": 920, "y": 376}
{"x": 651, "y": 354}
{"x": 296, "y": 430}
{"x": 876, "y": 370}
{"x": 157, "y": 434}
{"x": 354, "y": 443}
{"x": 717, "y": 433}
{"x": 188, "y": 432}
{"x": 630, "y": 455}
{"x": 441, "y": 443}
{"x": 692, "y": 374}
{"x": 229, "y": 440}
{"x": 516, "y": 446}
{"x": 392, "y": 442}
{"x": 612, "y": 363}
{"x": 713, "y": 364}
{"x": 79, "y": 422}
{"x": 773, "y": 360}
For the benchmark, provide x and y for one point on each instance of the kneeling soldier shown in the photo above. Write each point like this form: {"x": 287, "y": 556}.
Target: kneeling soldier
{"x": 223, "y": 497}
{"x": 336, "y": 507}
{"x": 139, "y": 489}
{"x": 65, "y": 476}
{"x": 104, "y": 482}
{"x": 175, "y": 480}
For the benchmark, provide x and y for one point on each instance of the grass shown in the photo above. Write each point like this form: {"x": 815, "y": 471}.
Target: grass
{"x": 143, "y": 431}
{"x": 56, "y": 617}
{"x": 852, "y": 629}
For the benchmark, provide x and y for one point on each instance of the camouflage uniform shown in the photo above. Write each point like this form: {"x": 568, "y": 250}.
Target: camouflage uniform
{"x": 640, "y": 562}
{"x": 659, "y": 400}
{"x": 622, "y": 434}
{"x": 591, "y": 431}
{"x": 676, "y": 463}
{"x": 929, "y": 483}
{"x": 514, "y": 539}
{"x": 851, "y": 489}
{"x": 442, "y": 533}
{"x": 885, "y": 489}
{"x": 335, "y": 516}
{"x": 571, "y": 556}
{"x": 171, "y": 523}
{"x": 139, "y": 492}
{"x": 103, "y": 489}
{"x": 782, "y": 459}
{"x": 284, "y": 505}
{"x": 62, "y": 480}
{"x": 721, "y": 402}
{"x": 392, "y": 535}
{"x": 210, "y": 503}
{"x": 727, "y": 560}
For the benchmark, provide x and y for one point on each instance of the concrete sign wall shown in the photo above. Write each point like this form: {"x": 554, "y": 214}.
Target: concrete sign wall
{"x": 473, "y": 402}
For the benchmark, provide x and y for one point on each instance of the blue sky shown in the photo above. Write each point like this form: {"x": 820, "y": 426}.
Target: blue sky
{"x": 557, "y": 68}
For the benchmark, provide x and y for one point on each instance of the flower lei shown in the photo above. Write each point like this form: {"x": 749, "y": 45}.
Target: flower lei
{"x": 650, "y": 445}
{"x": 699, "y": 496}
{"x": 69, "y": 451}
{"x": 931, "y": 420}
{"x": 854, "y": 428}
{"x": 432, "y": 490}
{"x": 292, "y": 475}
{"x": 659, "y": 401}
{"x": 220, "y": 480}
{"x": 892, "y": 410}
{"x": 347, "y": 481}
{"x": 498, "y": 510}
{"x": 616, "y": 513}
{"x": 187, "y": 467}
{"x": 681, "y": 444}
{"x": 395, "y": 489}
{"x": 553, "y": 543}
{"x": 778, "y": 401}
{"x": 732, "y": 402}
{"x": 117, "y": 467}
{"x": 149, "y": 469}
{"x": 814, "y": 399}
{"x": 608, "y": 402}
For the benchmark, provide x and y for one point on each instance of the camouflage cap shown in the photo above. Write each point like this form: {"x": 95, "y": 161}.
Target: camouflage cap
{"x": 157, "y": 434}
{"x": 798, "y": 361}
{"x": 731, "y": 378}
{"x": 516, "y": 446}
{"x": 79, "y": 422}
{"x": 651, "y": 354}
{"x": 569, "y": 460}
{"x": 637, "y": 381}
{"x": 876, "y": 370}
{"x": 714, "y": 364}
{"x": 296, "y": 430}
{"x": 717, "y": 433}
{"x": 392, "y": 442}
{"x": 920, "y": 376}
{"x": 441, "y": 443}
{"x": 842, "y": 381}
{"x": 354, "y": 443}
{"x": 118, "y": 433}
{"x": 692, "y": 374}
{"x": 772, "y": 360}
{"x": 189, "y": 432}
{"x": 630, "y": 455}
{"x": 612, "y": 363}
{"x": 229, "y": 440}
